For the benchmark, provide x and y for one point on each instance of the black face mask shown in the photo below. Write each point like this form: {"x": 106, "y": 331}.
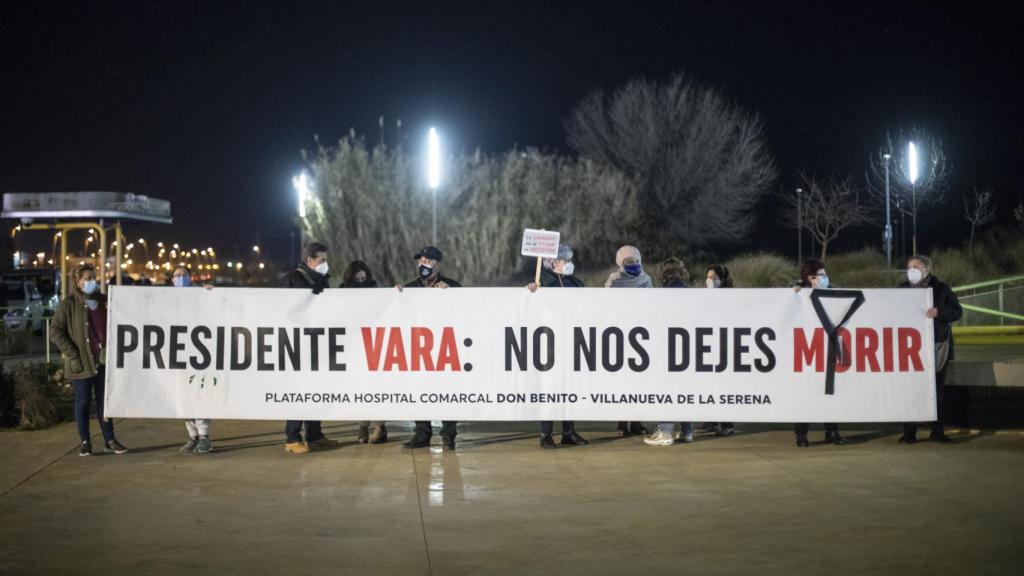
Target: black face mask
{"x": 425, "y": 271}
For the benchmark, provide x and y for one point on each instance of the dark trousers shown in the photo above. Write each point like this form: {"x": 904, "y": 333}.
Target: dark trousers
{"x": 84, "y": 392}
{"x": 293, "y": 429}
{"x": 802, "y": 429}
{"x": 449, "y": 428}
{"x": 548, "y": 426}
{"x": 910, "y": 428}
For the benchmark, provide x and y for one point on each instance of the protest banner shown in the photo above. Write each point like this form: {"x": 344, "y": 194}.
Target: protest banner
{"x": 757, "y": 355}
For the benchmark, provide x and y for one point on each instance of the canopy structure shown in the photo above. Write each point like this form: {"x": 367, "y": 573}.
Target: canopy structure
{"x": 100, "y": 211}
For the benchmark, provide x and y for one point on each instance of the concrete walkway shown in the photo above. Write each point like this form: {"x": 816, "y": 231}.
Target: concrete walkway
{"x": 748, "y": 504}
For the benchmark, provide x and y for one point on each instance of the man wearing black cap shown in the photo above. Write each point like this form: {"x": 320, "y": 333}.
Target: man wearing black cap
{"x": 428, "y": 267}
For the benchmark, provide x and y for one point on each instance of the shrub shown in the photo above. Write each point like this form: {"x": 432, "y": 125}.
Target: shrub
{"x": 760, "y": 271}
{"x": 14, "y": 342}
{"x": 39, "y": 390}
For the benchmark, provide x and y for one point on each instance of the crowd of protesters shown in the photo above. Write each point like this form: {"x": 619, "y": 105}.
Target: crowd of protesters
{"x": 79, "y": 330}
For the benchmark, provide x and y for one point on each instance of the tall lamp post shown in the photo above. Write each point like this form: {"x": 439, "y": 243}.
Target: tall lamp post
{"x": 888, "y": 216}
{"x": 799, "y": 226}
{"x": 434, "y": 175}
{"x": 912, "y": 173}
{"x": 301, "y": 184}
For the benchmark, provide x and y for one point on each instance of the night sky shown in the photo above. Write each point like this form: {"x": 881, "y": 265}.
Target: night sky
{"x": 208, "y": 104}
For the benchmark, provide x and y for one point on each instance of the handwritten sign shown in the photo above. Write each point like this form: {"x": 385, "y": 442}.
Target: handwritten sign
{"x": 540, "y": 243}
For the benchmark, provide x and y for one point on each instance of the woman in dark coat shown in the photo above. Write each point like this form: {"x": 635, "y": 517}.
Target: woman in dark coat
{"x": 813, "y": 275}
{"x": 558, "y": 273}
{"x": 358, "y": 275}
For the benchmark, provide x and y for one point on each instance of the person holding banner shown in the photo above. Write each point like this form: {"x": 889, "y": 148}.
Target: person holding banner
{"x": 428, "y": 268}
{"x": 311, "y": 274}
{"x": 79, "y": 329}
{"x": 945, "y": 311}
{"x": 673, "y": 274}
{"x": 198, "y": 428}
{"x": 813, "y": 275}
{"x": 629, "y": 275}
{"x": 717, "y": 276}
{"x": 358, "y": 275}
{"x": 558, "y": 273}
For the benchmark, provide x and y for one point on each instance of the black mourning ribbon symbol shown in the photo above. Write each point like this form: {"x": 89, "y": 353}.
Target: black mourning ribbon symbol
{"x": 835, "y": 348}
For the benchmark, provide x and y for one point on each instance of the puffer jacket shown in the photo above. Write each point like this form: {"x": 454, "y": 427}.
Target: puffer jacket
{"x": 69, "y": 331}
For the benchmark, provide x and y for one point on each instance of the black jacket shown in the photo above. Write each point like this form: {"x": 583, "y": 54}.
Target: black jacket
{"x": 371, "y": 283}
{"x": 945, "y": 300}
{"x": 549, "y": 279}
{"x": 418, "y": 283}
{"x": 306, "y": 277}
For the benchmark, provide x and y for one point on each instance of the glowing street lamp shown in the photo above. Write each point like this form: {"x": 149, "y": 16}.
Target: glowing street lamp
{"x": 434, "y": 174}
{"x": 887, "y": 234}
{"x": 301, "y": 184}
{"x": 912, "y": 175}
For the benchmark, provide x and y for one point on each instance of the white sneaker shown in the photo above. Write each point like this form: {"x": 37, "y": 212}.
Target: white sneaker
{"x": 659, "y": 438}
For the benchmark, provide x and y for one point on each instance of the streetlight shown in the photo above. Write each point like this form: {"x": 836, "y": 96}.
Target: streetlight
{"x": 434, "y": 174}
{"x": 912, "y": 173}
{"x": 887, "y": 234}
{"x": 302, "y": 189}
{"x": 301, "y": 184}
{"x": 799, "y": 226}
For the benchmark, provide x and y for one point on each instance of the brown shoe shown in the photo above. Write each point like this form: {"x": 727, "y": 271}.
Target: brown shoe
{"x": 296, "y": 447}
{"x": 379, "y": 435}
{"x": 322, "y": 443}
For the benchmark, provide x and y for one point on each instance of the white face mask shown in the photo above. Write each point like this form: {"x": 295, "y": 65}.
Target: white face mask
{"x": 822, "y": 281}
{"x": 90, "y": 286}
{"x": 915, "y": 276}
{"x": 567, "y": 269}
{"x": 321, "y": 268}
{"x": 714, "y": 283}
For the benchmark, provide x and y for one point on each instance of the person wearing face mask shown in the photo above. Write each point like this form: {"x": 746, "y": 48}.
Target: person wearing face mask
{"x": 79, "y": 330}
{"x": 198, "y": 428}
{"x": 311, "y": 274}
{"x": 358, "y": 275}
{"x": 813, "y": 275}
{"x": 717, "y": 276}
{"x": 629, "y": 275}
{"x": 428, "y": 272}
{"x": 944, "y": 312}
{"x": 558, "y": 273}
{"x": 673, "y": 275}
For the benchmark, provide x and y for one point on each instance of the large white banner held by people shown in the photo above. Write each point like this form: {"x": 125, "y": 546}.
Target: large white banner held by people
{"x": 757, "y": 355}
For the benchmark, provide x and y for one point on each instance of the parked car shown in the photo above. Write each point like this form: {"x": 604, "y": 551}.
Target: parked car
{"x": 23, "y": 305}
{"x": 47, "y": 281}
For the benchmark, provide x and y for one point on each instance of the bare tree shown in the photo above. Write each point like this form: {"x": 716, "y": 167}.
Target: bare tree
{"x": 698, "y": 162}
{"x": 828, "y": 208}
{"x": 978, "y": 211}
{"x": 891, "y": 163}
{"x": 374, "y": 205}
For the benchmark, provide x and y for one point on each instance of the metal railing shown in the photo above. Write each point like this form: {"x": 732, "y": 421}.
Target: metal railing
{"x": 1000, "y": 300}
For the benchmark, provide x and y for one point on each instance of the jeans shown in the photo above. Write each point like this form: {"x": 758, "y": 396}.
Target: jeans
{"x": 802, "y": 429}
{"x": 548, "y": 426}
{"x": 84, "y": 392}
{"x": 198, "y": 427}
{"x": 449, "y": 428}
{"x": 669, "y": 427}
{"x": 293, "y": 429}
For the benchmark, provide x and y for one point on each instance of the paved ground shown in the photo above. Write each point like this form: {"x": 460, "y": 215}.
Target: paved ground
{"x": 748, "y": 504}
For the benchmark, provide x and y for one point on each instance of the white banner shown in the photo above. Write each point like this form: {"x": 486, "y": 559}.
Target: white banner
{"x": 507, "y": 354}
